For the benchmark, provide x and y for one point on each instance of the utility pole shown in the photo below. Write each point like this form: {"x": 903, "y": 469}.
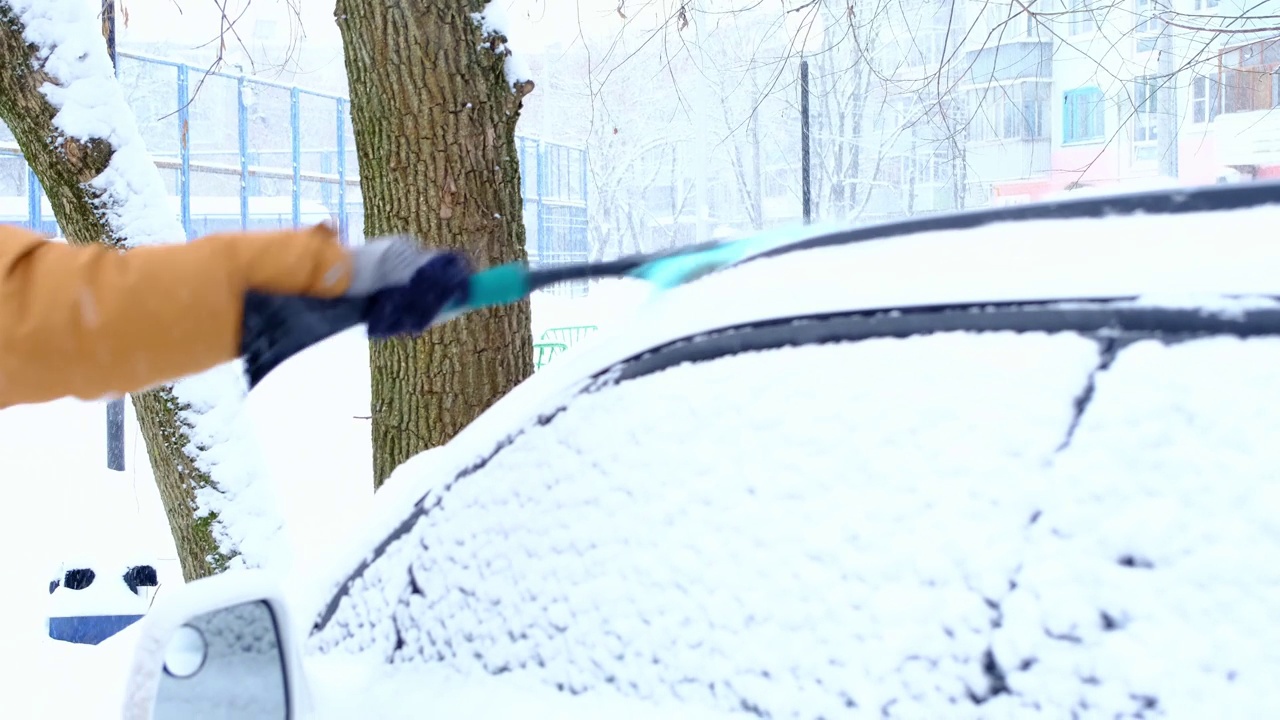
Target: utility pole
{"x": 806, "y": 188}
{"x": 1167, "y": 105}
{"x": 115, "y": 408}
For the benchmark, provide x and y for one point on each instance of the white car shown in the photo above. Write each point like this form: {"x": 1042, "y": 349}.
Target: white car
{"x": 1019, "y": 462}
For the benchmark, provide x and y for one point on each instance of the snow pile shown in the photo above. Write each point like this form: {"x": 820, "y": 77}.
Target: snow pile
{"x": 106, "y": 595}
{"x": 65, "y": 680}
{"x": 908, "y": 528}
{"x": 61, "y": 506}
{"x": 250, "y": 522}
{"x": 494, "y": 23}
{"x": 134, "y": 201}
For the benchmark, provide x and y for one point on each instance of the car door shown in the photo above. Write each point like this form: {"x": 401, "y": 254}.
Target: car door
{"x": 956, "y": 512}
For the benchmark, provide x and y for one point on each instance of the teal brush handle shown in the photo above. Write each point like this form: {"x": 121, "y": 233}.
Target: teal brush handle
{"x": 282, "y": 326}
{"x": 506, "y": 284}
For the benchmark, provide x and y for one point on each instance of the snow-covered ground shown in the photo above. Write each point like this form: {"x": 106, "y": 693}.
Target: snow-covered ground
{"x": 62, "y": 506}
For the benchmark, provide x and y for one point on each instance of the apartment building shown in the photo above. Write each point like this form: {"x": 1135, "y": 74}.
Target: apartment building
{"x": 1046, "y": 96}
{"x": 1143, "y": 92}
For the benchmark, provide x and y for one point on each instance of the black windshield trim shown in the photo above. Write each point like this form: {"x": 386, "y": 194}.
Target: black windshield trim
{"x": 1108, "y": 319}
{"x": 1171, "y": 201}
{"x": 1089, "y": 317}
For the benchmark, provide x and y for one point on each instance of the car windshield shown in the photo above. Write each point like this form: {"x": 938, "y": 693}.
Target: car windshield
{"x": 902, "y": 524}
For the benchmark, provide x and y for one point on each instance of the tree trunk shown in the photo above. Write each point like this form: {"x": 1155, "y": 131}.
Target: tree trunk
{"x": 757, "y": 175}
{"x": 65, "y": 166}
{"x": 434, "y": 119}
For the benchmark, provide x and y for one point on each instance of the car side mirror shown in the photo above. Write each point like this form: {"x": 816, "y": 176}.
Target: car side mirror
{"x": 218, "y": 648}
{"x": 224, "y": 664}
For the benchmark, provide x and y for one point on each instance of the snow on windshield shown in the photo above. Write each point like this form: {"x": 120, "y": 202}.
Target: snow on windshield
{"x": 918, "y": 527}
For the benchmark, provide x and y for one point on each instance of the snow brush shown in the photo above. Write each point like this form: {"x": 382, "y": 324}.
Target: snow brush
{"x": 277, "y": 327}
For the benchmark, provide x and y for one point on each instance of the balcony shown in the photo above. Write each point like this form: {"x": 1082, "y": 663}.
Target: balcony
{"x": 1007, "y": 62}
{"x": 1247, "y": 140}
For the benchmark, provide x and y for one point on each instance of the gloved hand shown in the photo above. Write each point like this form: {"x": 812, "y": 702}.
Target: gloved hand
{"x": 406, "y": 286}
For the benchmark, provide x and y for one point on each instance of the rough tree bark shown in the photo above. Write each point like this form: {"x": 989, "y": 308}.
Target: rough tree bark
{"x": 434, "y": 119}
{"x": 64, "y": 167}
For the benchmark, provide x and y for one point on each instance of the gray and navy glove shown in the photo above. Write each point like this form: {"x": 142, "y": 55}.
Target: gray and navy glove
{"x": 406, "y": 286}
{"x": 397, "y": 288}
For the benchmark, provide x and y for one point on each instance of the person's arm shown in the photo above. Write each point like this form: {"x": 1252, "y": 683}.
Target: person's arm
{"x": 92, "y": 322}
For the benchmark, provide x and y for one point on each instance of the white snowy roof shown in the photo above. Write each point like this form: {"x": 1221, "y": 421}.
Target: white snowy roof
{"x": 1169, "y": 258}
{"x": 921, "y": 527}
{"x": 1191, "y": 260}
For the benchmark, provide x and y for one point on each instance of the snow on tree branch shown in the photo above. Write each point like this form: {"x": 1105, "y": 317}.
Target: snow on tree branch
{"x": 131, "y": 198}
{"x": 130, "y": 194}
{"x": 493, "y": 28}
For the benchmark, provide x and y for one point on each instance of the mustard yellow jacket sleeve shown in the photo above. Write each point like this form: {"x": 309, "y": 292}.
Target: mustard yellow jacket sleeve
{"x": 92, "y": 322}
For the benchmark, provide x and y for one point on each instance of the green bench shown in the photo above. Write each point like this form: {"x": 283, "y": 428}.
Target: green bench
{"x": 544, "y": 351}
{"x": 568, "y": 335}
{"x": 556, "y": 340}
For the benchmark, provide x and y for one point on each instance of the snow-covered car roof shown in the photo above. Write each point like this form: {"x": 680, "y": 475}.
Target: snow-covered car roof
{"x": 1183, "y": 247}
{"x": 778, "y": 566}
{"x": 1183, "y": 259}
{"x": 1204, "y": 247}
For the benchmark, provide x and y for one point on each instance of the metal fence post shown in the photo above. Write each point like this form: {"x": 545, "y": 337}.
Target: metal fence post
{"x": 295, "y": 134}
{"x": 242, "y": 132}
{"x": 541, "y": 233}
{"x": 184, "y": 149}
{"x": 546, "y": 175}
{"x": 342, "y": 171}
{"x": 115, "y": 435}
{"x": 35, "y": 214}
{"x": 326, "y": 168}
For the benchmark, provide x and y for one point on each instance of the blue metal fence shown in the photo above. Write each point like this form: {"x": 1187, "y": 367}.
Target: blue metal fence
{"x": 239, "y": 152}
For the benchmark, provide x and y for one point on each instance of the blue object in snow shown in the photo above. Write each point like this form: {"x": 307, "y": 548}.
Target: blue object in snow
{"x": 89, "y": 629}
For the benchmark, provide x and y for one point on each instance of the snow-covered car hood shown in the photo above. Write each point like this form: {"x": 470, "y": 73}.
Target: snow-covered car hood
{"x": 1198, "y": 260}
{"x": 1220, "y": 261}
{"x": 347, "y": 686}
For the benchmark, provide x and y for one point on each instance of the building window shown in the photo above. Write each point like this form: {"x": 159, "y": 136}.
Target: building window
{"x": 1009, "y": 112}
{"x": 1084, "y": 117}
{"x": 1081, "y": 17}
{"x": 921, "y": 45}
{"x": 1147, "y": 30}
{"x": 1011, "y": 22}
{"x": 1247, "y": 76}
{"x": 1206, "y": 100}
{"x": 933, "y": 167}
{"x": 1031, "y": 25}
{"x": 1145, "y": 93}
{"x": 1206, "y": 4}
